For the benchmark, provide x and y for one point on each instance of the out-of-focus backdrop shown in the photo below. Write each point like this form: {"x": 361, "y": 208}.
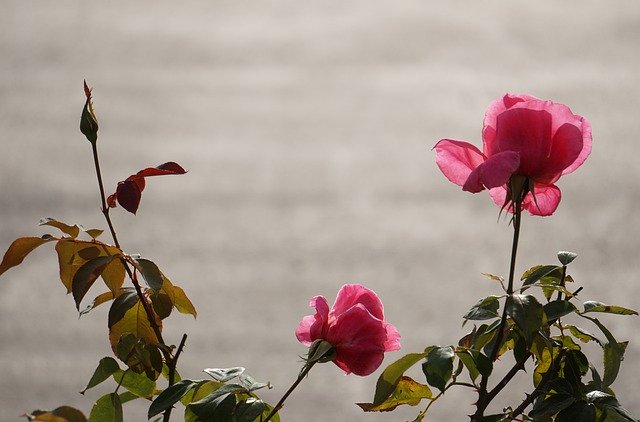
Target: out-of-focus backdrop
{"x": 307, "y": 130}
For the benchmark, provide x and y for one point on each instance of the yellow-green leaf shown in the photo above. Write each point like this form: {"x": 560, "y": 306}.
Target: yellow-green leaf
{"x": 19, "y": 249}
{"x": 113, "y": 275}
{"x": 108, "y": 408}
{"x": 86, "y": 275}
{"x": 178, "y": 297}
{"x": 408, "y": 391}
{"x": 134, "y": 321}
{"x": 182, "y": 302}
{"x": 94, "y": 233}
{"x": 72, "y": 254}
{"x": 138, "y": 384}
{"x": 72, "y": 231}
{"x": 60, "y": 414}
{"x": 99, "y": 300}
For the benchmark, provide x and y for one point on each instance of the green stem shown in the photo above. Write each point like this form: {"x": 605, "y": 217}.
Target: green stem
{"x": 484, "y": 398}
{"x": 305, "y": 370}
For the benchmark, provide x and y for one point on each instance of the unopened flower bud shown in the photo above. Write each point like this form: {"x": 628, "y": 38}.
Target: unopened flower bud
{"x": 321, "y": 351}
{"x": 88, "y": 120}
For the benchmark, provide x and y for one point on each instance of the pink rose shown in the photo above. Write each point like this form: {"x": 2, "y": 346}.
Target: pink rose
{"x": 522, "y": 135}
{"x": 355, "y": 327}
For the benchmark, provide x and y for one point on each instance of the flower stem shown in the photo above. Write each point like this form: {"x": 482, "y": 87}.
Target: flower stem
{"x": 105, "y": 212}
{"x": 484, "y": 398}
{"x": 305, "y": 370}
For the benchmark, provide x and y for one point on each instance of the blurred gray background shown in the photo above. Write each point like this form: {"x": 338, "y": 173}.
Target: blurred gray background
{"x": 306, "y": 128}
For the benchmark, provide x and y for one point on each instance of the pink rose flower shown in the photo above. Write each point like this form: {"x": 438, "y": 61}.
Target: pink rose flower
{"x": 522, "y": 135}
{"x": 354, "y": 326}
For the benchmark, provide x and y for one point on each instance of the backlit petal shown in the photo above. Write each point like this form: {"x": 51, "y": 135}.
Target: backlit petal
{"x": 545, "y": 201}
{"x": 313, "y": 327}
{"x": 350, "y": 295}
{"x": 495, "y": 171}
{"x": 528, "y": 132}
{"x": 457, "y": 159}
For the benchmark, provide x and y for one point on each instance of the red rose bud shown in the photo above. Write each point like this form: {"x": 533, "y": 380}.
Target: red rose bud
{"x": 88, "y": 120}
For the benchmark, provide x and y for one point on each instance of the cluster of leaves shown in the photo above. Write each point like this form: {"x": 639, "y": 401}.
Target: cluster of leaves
{"x": 534, "y": 330}
{"x": 217, "y": 399}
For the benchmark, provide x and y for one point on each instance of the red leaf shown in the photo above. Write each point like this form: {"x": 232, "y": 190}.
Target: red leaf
{"x": 129, "y": 194}
{"x": 162, "y": 169}
{"x": 129, "y": 191}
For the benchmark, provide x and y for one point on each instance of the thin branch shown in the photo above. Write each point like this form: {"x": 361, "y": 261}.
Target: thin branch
{"x": 172, "y": 374}
{"x": 548, "y": 376}
{"x": 305, "y": 370}
{"x": 519, "y": 365}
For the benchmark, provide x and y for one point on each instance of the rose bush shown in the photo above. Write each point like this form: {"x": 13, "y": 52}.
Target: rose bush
{"x": 522, "y": 135}
{"x": 354, "y": 326}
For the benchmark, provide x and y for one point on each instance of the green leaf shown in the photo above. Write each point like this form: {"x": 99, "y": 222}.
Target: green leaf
{"x": 138, "y": 384}
{"x": 251, "y": 384}
{"x": 593, "y": 306}
{"x": 407, "y": 392}
{"x": 486, "y": 308}
{"x": 610, "y": 407}
{"x": 249, "y": 410}
{"x": 389, "y": 378}
{"x": 551, "y": 405}
{"x": 558, "y": 308}
{"x": 476, "y": 362}
{"x": 582, "y": 335}
{"x": 439, "y": 366}
{"x": 86, "y": 275}
{"x": 162, "y": 304}
{"x": 613, "y": 355}
{"x": 485, "y": 334}
{"x": 19, "y": 249}
{"x": 538, "y": 272}
{"x": 72, "y": 231}
{"x": 150, "y": 272}
{"x": 566, "y": 258}
{"x": 169, "y": 397}
{"x": 527, "y": 313}
{"x": 106, "y": 367}
{"x": 108, "y": 408}
{"x": 224, "y": 374}
{"x": 219, "y": 405}
{"x": 579, "y": 411}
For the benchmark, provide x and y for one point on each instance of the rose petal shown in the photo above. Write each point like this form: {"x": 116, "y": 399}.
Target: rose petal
{"x": 313, "y": 327}
{"x": 494, "y": 109}
{"x": 457, "y": 159}
{"x": 547, "y": 198}
{"x": 350, "y": 295}
{"x": 359, "y": 339}
{"x": 495, "y": 171}
{"x": 586, "y": 146}
{"x": 525, "y": 131}
{"x": 566, "y": 147}
{"x": 393, "y": 338}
